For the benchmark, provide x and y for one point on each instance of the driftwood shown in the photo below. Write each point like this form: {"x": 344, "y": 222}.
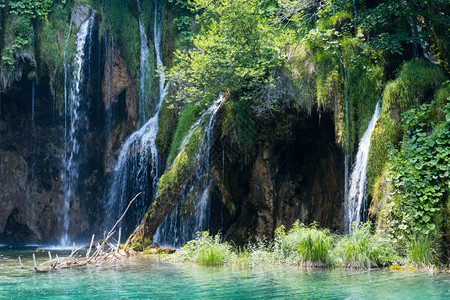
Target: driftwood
{"x": 105, "y": 251}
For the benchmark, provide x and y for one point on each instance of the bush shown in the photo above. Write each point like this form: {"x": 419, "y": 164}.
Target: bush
{"x": 207, "y": 250}
{"x": 363, "y": 250}
{"x": 308, "y": 246}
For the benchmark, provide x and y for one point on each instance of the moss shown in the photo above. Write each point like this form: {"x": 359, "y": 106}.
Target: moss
{"x": 416, "y": 83}
{"x": 167, "y": 125}
{"x": 137, "y": 244}
{"x": 49, "y": 52}
{"x": 116, "y": 12}
{"x": 364, "y": 83}
{"x": 187, "y": 118}
{"x": 170, "y": 180}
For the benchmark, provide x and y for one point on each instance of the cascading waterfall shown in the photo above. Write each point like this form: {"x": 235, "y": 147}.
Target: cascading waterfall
{"x": 133, "y": 172}
{"x": 144, "y": 69}
{"x": 355, "y": 201}
{"x": 75, "y": 122}
{"x": 192, "y": 213}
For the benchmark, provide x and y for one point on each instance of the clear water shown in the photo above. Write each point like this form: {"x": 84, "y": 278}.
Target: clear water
{"x": 144, "y": 277}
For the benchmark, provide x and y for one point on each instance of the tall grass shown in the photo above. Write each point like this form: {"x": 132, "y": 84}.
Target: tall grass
{"x": 207, "y": 250}
{"x": 309, "y": 246}
{"x": 422, "y": 251}
{"x": 361, "y": 249}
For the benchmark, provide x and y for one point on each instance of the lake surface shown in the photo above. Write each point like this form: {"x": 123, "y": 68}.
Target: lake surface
{"x": 143, "y": 277}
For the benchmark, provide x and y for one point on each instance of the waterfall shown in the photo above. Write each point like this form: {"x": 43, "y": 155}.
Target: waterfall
{"x": 133, "y": 172}
{"x": 192, "y": 212}
{"x": 75, "y": 122}
{"x": 144, "y": 69}
{"x": 355, "y": 205}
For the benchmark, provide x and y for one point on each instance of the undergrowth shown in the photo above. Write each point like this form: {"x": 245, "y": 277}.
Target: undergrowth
{"x": 307, "y": 246}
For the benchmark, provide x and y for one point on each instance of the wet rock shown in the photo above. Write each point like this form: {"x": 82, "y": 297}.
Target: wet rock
{"x": 80, "y": 13}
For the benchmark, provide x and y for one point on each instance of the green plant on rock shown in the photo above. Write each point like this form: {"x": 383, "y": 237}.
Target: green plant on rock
{"x": 416, "y": 83}
{"x": 420, "y": 174}
{"x": 207, "y": 250}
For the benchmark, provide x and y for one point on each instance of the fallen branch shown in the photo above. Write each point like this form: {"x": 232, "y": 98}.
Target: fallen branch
{"x": 105, "y": 251}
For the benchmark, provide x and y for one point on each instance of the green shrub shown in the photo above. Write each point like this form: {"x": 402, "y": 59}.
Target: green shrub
{"x": 260, "y": 252}
{"x": 207, "y": 250}
{"x": 361, "y": 249}
{"x": 416, "y": 83}
{"x": 420, "y": 174}
{"x": 308, "y": 245}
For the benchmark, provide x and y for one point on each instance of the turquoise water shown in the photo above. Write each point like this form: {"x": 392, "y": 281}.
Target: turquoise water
{"x": 143, "y": 277}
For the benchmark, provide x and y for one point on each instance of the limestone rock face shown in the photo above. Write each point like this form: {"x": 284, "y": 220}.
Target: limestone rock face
{"x": 29, "y": 168}
{"x": 80, "y": 13}
{"x": 296, "y": 173}
{"x": 119, "y": 98}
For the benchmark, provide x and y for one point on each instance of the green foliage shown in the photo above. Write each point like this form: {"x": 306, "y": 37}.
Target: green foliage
{"x": 239, "y": 123}
{"x": 115, "y": 14}
{"x": 420, "y": 174}
{"x": 207, "y": 250}
{"x": 236, "y": 50}
{"x": 363, "y": 250}
{"x": 390, "y": 24}
{"x": 181, "y": 166}
{"x": 137, "y": 245}
{"x": 49, "y": 51}
{"x": 20, "y": 38}
{"x": 306, "y": 245}
{"x": 416, "y": 83}
{"x": 30, "y": 8}
{"x": 422, "y": 250}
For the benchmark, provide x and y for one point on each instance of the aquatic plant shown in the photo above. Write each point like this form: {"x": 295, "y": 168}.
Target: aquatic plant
{"x": 422, "y": 250}
{"x": 361, "y": 249}
{"x": 308, "y": 246}
{"x": 207, "y": 250}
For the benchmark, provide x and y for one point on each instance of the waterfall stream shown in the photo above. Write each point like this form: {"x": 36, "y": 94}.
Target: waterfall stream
{"x": 355, "y": 200}
{"x": 75, "y": 121}
{"x": 144, "y": 69}
{"x": 136, "y": 169}
{"x": 192, "y": 213}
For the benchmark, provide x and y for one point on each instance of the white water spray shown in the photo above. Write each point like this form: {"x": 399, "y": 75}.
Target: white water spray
{"x": 77, "y": 117}
{"x": 131, "y": 173}
{"x": 144, "y": 69}
{"x": 355, "y": 200}
{"x": 180, "y": 226}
